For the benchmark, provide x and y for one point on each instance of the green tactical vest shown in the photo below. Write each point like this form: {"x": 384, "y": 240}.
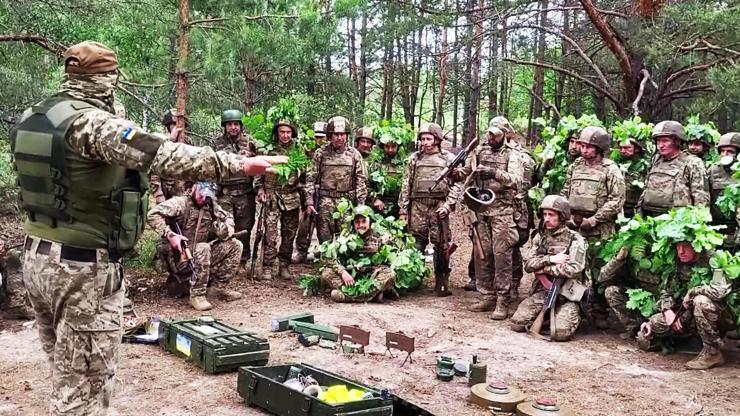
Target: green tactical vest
{"x": 70, "y": 199}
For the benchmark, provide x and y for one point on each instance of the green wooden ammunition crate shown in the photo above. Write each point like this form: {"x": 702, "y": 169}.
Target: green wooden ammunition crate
{"x": 279, "y": 324}
{"x": 263, "y": 387}
{"x": 213, "y": 345}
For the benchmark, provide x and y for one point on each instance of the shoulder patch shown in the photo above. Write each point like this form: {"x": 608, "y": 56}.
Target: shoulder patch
{"x": 127, "y": 134}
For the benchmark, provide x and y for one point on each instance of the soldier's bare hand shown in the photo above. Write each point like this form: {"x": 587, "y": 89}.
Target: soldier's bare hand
{"x": 647, "y": 330}
{"x": 443, "y": 212}
{"x": 258, "y": 165}
{"x": 457, "y": 175}
{"x": 378, "y": 205}
{"x": 311, "y": 210}
{"x": 588, "y": 223}
{"x": 669, "y": 317}
{"x": 174, "y": 133}
{"x": 403, "y": 217}
{"x": 623, "y": 252}
{"x": 485, "y": 172}
{"x": 175, "y": 241}
{"x": 559, "y": 258}
{"x": 261, "y": 197}
{"x": 348, "y": 279}
{"x": 687, "y": 300}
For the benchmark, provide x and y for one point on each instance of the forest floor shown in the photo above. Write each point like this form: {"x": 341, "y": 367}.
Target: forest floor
{"x": 597, "y": 373}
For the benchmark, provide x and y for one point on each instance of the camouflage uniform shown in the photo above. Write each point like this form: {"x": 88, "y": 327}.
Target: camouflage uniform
{"x": 281, "y": 213}
{"x": 237, "y": 195}
{"x": 335, "y": 174}
{"x": 677, "y": 182}
{"x": 331, "y": 276}
{"x": 495, "y": 224}
{"x": 77, "y": 291}
{"x": 545, "y": 244}
{"x": 217, "y": 262}
{"x": 720, "y": 177}
{"x": 165, "y": 188}
{"x": 14, "y": 298}
{"x": 393, "y": 168}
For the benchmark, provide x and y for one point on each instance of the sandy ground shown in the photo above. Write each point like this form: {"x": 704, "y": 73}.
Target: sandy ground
{"x": 595, "y": 374}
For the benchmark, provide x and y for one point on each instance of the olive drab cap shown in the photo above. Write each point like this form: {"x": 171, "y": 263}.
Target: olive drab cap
{"x": 596, "y": 136}
{"x": 319, "y": 129}
{"x": 89, "y": 58}
{"x": 337, "y": 124}
{"x": 285, "y": 122}
{"x": 231, "y": 115}
{"x": 556, "y": 203}
{"x": 669, "y": 128}
{"x": 501, "y": 123}
{"x": 365, "y": 133}
{"x": 729, "y": 139}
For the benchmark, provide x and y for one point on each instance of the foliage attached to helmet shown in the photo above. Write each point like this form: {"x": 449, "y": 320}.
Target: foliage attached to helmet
{"x": 705, "y": 133}
{"x": 637, "y": 132}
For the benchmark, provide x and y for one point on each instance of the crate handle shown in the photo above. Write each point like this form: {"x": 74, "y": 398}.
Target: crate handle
{"x": 306, "y": 405}
{"x": 253, "y": 384}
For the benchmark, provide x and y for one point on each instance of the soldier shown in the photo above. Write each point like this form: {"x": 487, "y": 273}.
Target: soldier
{"x": 307, "y": 220}
{"x": 364, "y": 141}
{"x": 557, "y": 252}
{"x": 237, "y": 195}
{"x": 85, "y": 204}
{"x": 200, "y": 219}
{"x": 392, "y": 166}
{"x": 720, "y": 177}
{"x": 632, "y": 151}
{"x": 335, "y": 275}
{"x": 425, "y": 210}
{"x": 702, "y": 310}
{"x": 496, "y": 166}
{"x": 573, "y": 151}
{"x": 676, "y": 178}
{"x": 338, "y": 172}
{"x": 283, "y": 205}
{"x": 699, "y": 146}
{"x": 164, "y": 188}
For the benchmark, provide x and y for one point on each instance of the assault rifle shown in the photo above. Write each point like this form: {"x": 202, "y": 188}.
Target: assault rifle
{"x": 551, "y": 298}
{"x": 470, "y": 221}
{"x": 186, "y": 256}
{"x": 456, "y": 163}
{"x": 442, "y": 253}
{"x": 257, "y": 240}
{"x": 314, "y": 217}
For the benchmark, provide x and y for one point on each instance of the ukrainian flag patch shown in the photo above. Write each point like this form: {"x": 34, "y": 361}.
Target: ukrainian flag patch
{"x": 127, "y": 134}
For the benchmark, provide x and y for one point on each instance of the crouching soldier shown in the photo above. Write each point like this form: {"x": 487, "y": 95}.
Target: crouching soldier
{"x": 335, "y": 275}
{"x": 557, "y": 253}
{"x": 208, "y": 231}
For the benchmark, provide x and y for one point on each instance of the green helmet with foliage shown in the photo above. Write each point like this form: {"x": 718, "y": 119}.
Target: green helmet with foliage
{"x": 729, "y": 139}
{"x": 362, "y": 211}
{"x": 556, "y": 203}
{"x": 705, "y": 133}
{"x": 596, "y": 136}
{"x": 231, "y": 115}
{"x": 284, "y": 122}
{"x": 669, "y": 128}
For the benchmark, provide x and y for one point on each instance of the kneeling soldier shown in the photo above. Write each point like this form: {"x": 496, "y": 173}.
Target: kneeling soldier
{"x": 201, "y": 220}
{"x": 557, "y": 253}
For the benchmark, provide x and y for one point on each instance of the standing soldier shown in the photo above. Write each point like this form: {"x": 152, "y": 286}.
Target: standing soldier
{"x": 392, "y": 166}
{"x": 426, "y": 210}
{"x": 164, "y": 188}
{"x": 364, "y": 141}
{"x": 556, "y": 253}
{"x": 237, "y": 194}
{"x": 699, "y": 146}
{"x": 338, "y": 172}
{"x": 676, "y": 178}
{"x": 632, "y": 151}
{"x": 308, "y": 220}
{"x": 200, "y": 219}
{"x": 720, "y": 177}
{"x": 496, "y": 166}
{"x": 85, "y": 202}
{"x": 282, "y": 205}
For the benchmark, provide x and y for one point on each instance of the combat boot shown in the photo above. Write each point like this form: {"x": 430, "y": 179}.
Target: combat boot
{"x": 708, "y": 357}
{"x": 485, "y": 304}
{"x": 470, "y": 286}
{"x": 502, "y": 310}
{"x": 266, "y": 272}
{"x": 298, "y": 258}
{"x": 337, "y": 296}
{"x": 284, "y": 270}
{"x": 224, "y": 294}
{"x": 200, "y": 303}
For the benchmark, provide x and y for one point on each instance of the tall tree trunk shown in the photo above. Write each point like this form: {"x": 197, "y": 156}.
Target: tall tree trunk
{"x": 493, "y": 69}
{"x": 539, "y": 73}
{"x": 439, "y": 117}
{"x": 363, "y": 65}
{"x": 475, "y": 64}
{"x": 503, "y": 96}
{"x": 352, "y": 55}
{"x": 565, "y": 48}
{"x": 181, "y": 74}
{"x": 467, "y": 104}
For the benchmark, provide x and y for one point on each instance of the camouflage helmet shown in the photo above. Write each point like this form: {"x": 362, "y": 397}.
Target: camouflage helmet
{"x": 669, "y": 128}
{"x": 338, "y": 124}
{"x": 556, "y": 203}
{"x": 501, "y": 123}
{"x": 207, "y": 189}
{"x": 169, "y": 117}
{"x": 431, "y": 128}
{"x": 639, "y": 144}
{"x": 478, "y": 199}
{"x": 596, "y": 136}
{"x": 284, "y": 122}
{"x": 231, "y": 115}
{"x": 729, "y": 139}
{"x": 319, "y": 129}
{"x": 362, "y": 211}
{"x": 364, "y": 133}
{"x": 495, "y": 131}
{"x": 89, "y": 58}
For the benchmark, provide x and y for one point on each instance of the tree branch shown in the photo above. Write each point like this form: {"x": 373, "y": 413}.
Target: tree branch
{"x": 645, "y": 78}
{"x": 693, "y": 88}
{"x": 51, "y": 46}
{"x": 137, "y": 98}
{"x": 691, "y": 69}
{"x": 586, "y": 81}
{"x": 538, "y": 98}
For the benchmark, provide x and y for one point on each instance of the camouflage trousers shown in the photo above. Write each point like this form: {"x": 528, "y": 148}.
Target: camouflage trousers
{"x": 616, "y": 298}
{"x": 14, "y": 298}
{"x": 303, "y": 238}
{"x": 243, "y": 208}
{"x": 79, "y": 308}
{"x": 567, "y": 315}
{"x": 284, "y": 223}
{"x": 705, "y": 317}
{"x": 326, "y": 226}
{"x": 494, "y": 273}
{"x": 425, "y": 225}
{"x": 517, "y": 261}
{"x": 215, "y": 264}
{"x": 383, "y": 276}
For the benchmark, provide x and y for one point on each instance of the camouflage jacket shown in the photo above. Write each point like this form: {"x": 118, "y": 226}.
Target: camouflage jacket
{"x": 372, "y": 242}
{"x": 392, "y": 168}
{"x": 164, "y": 189}
{"x": 667, "y": 299}
{"x": 719, "y": 178}
{"x": 421, "y": 172}
{"x": 550, "y": 242}
{"x": 245, "y": 147}
{"x": 286, "y": 196}
{"x": 507, "y": 180}
{"x": 338, "y": 174}
{"x": 214, "y": 221}
{"x": 621, "y": 273}
{"x": 677, "y": 182}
